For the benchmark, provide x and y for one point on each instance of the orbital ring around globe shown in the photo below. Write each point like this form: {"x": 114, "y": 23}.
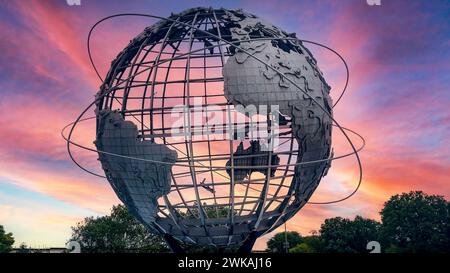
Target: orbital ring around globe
{"x": 206, "y": 167}
{"x": 73, "y": 124}
{"x": 247, "y": 216}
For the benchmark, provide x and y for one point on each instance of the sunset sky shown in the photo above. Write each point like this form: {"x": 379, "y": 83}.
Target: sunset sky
{"x": 398, "y": 99}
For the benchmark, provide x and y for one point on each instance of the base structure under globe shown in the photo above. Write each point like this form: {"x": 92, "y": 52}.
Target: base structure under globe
{"x": 237, "y": 172}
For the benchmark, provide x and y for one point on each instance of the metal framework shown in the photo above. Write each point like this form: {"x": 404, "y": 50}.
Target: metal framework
{"x": 174, "y": 62}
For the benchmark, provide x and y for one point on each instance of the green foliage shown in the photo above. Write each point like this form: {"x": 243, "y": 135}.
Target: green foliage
{"x": 411, "y": 222}
{"x": 115, "y": 233}
{"x": 219, "y": 211}
{"x": 209, "y": 211}
{"x": 277, "y": 242}
{"x": 301, "y": 248}
{"x": 310, "y": 244}
{"x": 347, "y": 236}
{"x": 416, "y": 222}
{"x": 6, "y": 241}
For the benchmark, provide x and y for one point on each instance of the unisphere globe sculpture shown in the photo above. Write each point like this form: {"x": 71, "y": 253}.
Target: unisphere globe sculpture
{"x": 214, "y": 127}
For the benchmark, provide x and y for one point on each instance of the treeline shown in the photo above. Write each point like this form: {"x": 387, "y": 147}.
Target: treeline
{"x": 410, "y": 223}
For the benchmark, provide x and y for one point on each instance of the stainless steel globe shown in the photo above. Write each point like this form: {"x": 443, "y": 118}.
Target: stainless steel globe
{"x": 187, "y": 142}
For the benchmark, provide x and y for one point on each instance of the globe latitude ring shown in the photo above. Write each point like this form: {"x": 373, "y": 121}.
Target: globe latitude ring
{"x": 212, "y": 234}
{"x": 73, "y": 124}
{"x": 71, "y": 142}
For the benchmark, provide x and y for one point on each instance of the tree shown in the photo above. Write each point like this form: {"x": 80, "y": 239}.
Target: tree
{"x": 277, "y": 242}
{"x": 6, "y": 241}
{"x": 218, "y": 211}
{"x": 23, "y": 248}
{"x": 416, "y": 222}
{"x": 309, "y": 244}
{"x": 301, "y": 248}
{"x": 347, "y": 236}
{"x": 118, "y": 232}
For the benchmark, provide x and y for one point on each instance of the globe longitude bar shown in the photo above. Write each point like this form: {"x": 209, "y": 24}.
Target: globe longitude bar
{"x": 268, "y": 198}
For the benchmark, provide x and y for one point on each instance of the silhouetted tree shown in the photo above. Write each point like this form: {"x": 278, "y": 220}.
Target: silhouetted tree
{"x": 118, "y": 232}
{"x": 309, "y": 244}
{"x": 416, "y": 222}
{"x": 23, "y": 248}
{"x": 6, "y": 240}
{"x": 219, "y": 211}
{"x": 209, "y": 211}
{"x": 277, "y": 242}
{"x": 344, "y": 235}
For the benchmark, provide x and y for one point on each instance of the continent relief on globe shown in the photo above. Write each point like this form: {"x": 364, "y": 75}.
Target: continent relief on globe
{"x": 137, "y": 183}
{"x": 253, "y": 78}
{"x": 259, "y": 157}
{"x": 265, "y": 66}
